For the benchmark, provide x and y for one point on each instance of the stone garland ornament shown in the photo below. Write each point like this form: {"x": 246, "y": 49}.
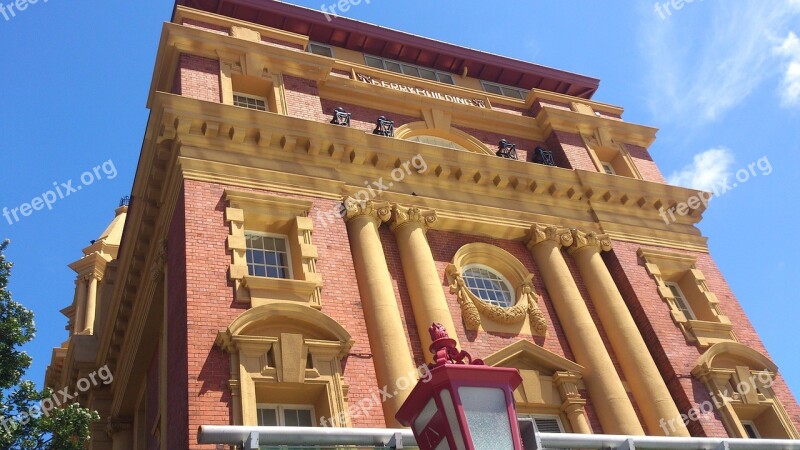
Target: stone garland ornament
{"x": 472, "y": 307}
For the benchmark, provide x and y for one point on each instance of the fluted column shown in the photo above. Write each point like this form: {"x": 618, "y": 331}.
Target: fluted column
{"x": 91, "y": 303}
{"x": 385, "y": 327}
{"x": 422, "y": 278}
{"x": 80, "y": 300}
{"x": 614, "y": 408}
{"x": 641, "y": 372}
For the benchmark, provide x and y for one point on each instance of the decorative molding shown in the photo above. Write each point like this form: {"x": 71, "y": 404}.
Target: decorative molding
{"x": 378, "y": 212}
{"x": 159, "y": 263}
{"x": 539, "y": 233}
{"x": 590, "y": 240}
{"x": 402, "y": 216}
{"x": 474, "y": 310}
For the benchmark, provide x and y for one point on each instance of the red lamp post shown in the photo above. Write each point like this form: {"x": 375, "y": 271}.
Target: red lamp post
{"x": 464, "y": 406}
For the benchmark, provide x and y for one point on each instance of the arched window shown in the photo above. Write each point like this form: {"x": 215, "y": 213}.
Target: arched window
{"x": 286, "y": 362}
{"x": 433, "y": 140}
{"x": 488, "y": 285}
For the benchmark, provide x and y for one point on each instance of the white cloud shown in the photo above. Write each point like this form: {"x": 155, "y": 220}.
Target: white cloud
{"x": 708, "y": 170}
{"x": 708, "y": 57}
{"x": 790, "y": 87}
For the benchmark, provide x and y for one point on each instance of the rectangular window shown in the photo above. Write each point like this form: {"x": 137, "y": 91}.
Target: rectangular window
{"x": 409, "y": 69}
{"x": 545, "y": 423}
{"x": 267, "y": 256}
{"x": 249, "y": 101}
{"x": 609, "y": 169}
{"x": 751, "y": 430}
{"x": 681, "y": 301}
{"x": 320, "y": 49}
{"x": 508, "y": 91}
{"x": 285, "y": 416}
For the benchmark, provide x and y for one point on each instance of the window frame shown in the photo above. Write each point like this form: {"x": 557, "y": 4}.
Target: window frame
{"x": 681, "y": 300}
{"x": 320, "y": 45}
{"x": 502, "y": 87}
{"x": 257, "y": 98}
{"x": 608, "y": 168}
{"x": 535, "y": 417}
{"x": 384, "y": 66}
{"x": 512, "y": 292}
{"x": 753, "y": 427}
{"x": 289, "y": 268}
{"x": 281, "y": 407}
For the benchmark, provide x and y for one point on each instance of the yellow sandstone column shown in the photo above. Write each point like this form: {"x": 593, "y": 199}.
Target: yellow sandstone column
{"x": 80, "y": 305}
{"x": 91, "y": 303}
{"x": 387, "y": 338}
{"x": 614, "y": 408}
{"x": 422, "y": 278}
{"x": 644, "y": 378}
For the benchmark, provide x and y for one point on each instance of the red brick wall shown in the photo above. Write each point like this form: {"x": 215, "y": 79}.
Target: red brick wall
{"x": 644, "y": 162}
{"x": 211, "y": 308}
{"x": 198, "y": 78}
{"x": 177, "y": 365}
{"x": 673, "y": 354}
{"x": 444, "y": 245}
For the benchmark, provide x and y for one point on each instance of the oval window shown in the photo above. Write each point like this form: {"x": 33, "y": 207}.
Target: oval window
{"x": 488, "y": 285}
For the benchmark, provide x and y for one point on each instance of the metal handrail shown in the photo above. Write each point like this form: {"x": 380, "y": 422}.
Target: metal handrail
{"x": 251, "y": 437}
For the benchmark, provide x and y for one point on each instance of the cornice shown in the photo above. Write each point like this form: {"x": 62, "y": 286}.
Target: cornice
{"x": 552, "y": 119}
{"x": 323, "y": 158}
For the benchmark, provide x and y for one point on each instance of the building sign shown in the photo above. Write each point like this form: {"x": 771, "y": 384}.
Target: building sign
{"x": 420, "y": 91}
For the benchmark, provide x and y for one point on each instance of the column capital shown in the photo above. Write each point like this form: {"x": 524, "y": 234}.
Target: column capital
{"x": 117, "y": 425}
{"x": 402, "y": 216}
{"x": 544, "y": 233}
{"x": 378, "y": 212}
{"x": 582, "y": 240}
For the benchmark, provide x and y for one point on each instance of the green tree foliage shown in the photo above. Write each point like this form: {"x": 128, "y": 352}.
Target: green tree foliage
{"x": 22, "y": 424}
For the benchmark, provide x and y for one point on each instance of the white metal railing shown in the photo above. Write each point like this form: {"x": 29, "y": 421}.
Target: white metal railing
{"x": 250, "y": 438}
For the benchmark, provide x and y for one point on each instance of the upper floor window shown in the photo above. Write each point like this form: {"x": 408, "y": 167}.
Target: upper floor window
{"x": 508, "y": 91}
{"x": 267, "y": 256}
{"x": 249, "y": 101}
{"x": 320, "y": 49}
{"x": 750, "y": 429}
{"x": 433, "y": 140}
{"x": 609, "y": 169}
{"x": 409, "y": 69}
{"x": 285, "y": 416}
{"x": 680, "y": 300}
{"x": 489, "y": 286}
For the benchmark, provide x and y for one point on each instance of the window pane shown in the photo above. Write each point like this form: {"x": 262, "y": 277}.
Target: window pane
{"x": 374, "y": 62}
{"x": 290, "y": 418}
{"x": 267, "y": 418}
{"x": 393, "y": 66}
{"x": 428, "y": 74}
{"x": 304, "y": 418}
{"x": 259, "y": 271}
{"x": 445, "y": 78}
{"x": 410, "y": 70}
{"x": 494, "y": 89}
{"x": 512, "y": 93}
{"x": 318, "y": 49}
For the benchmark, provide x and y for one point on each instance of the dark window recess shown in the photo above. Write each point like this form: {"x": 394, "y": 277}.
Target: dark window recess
{"x": 543, "y": 156}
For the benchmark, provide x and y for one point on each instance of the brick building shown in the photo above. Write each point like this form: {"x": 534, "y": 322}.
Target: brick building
{"x": 281, "y": 259}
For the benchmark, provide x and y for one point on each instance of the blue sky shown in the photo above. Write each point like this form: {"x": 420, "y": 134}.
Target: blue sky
{"x": 721, "y": 79}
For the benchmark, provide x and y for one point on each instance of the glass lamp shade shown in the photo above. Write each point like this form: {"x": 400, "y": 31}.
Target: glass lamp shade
{"x": 464, "y": 407}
